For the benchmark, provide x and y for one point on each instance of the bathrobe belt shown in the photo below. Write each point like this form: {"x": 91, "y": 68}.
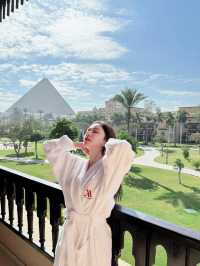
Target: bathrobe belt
{"x": 90, "y": 220}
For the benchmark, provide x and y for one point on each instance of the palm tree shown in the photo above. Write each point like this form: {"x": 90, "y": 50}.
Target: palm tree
{"x": 159, "y": 117}
{"x": 129, "y": 98}
{"x": 138, "y": 119}
{"x": 35, "y": 137}
{"x": 179, "y": 164}
{"x": 182, "y": 118}
{"x": 170, "y": 122}
{"x": 118, "y": 119}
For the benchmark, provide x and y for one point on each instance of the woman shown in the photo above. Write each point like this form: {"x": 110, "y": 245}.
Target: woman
{"x": 89, "y": 187}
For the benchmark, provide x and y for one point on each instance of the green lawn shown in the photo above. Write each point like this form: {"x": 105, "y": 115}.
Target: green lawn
{"x": 175, "y": 153}
{"x": 156, "y": 192}
{"x": 153, "y": 191}
{"x": 140, "y": 152}
{"x": 171, "y": 145}
{"x": 31, "y": 152}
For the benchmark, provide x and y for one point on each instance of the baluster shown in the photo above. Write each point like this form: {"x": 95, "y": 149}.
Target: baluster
{"x": 139, "y": 248}
{"x": 22, "y": 2}
{"x": 20, "y": 203}
{"x": 55, "y": 219}
{"x": 193, "y": 257}
{"x": 41, "y": 213}
{"x": 17, "y": 3}
{"x": 8, "y": 7}
{"x": 176, "y": 254}
{"x": 150, "y": 250}
{"x": 4, "y": 9}
{"x": 3, "y": 196}
{"x": 117, "y": 239}
{"x": 1, "y": 12}
{"x": 12, "y": 5}
{"x": 10, "y": 197}
{"x": 30, "y": 207}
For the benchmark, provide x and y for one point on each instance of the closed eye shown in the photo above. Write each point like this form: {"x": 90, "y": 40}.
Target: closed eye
{"x": 95, "y": 131}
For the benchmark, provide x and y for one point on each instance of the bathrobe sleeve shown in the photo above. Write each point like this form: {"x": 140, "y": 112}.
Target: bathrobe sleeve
{"x": 117, "y": 162}
{"x": 59, "y": 156}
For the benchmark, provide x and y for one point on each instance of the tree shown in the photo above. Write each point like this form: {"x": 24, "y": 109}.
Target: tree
{"x": 160, "y": 137}
{"x": 35, "y": 137}
{"x": 170, "y": 122}
{"x": 129, "y": 98}
{"x": 16, "y": 135}
{"x": 118, "y": 119}
{"x": 137, "y": 118}
{"x": 181, "y": 118}
{"x": 82, "y": 121}
{"x": 27, "y": 131}
{"x": 196, "y": 164}
{"x": 179, "y": 164}
{"x": 63, "y": 126}
{"x": 122, "y": 134}
{"x": 186, "y": 153}
{"x": 196, "y": 138}
{"x": 167, "y": 154}
{"x": 159, "y": 116}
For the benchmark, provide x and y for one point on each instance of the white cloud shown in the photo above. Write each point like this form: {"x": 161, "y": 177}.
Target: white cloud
{"x": 73, "y": 72}
{"x": 7, "y": 98}
{"x": 27, "y": 83}
{"x": 84, "y": 84}
{"x": 76, "y": 29}
{"x": 179, "y": 93}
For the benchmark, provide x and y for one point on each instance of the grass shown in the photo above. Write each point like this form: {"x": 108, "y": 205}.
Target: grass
{"x": 171, "y": 145}
{"x": 150, "y": 190}
{"x": 140, "y": 152}
{"x": 175, "y": 153}
{"x": 156, "y": 192}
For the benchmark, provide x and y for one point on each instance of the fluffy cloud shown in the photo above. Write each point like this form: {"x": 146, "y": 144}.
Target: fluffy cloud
{"x": 180, "y": 93}
{"x": 61, "y": 30}
{"x": 7, "y": 98}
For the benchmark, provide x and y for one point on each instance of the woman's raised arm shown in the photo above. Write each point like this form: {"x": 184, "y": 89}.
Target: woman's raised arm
{"x": 117, "y": 161}
{"x": 58, "y": 154}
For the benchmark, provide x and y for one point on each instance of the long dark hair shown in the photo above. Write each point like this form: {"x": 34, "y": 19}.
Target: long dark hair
{"x": 110, "y": 133}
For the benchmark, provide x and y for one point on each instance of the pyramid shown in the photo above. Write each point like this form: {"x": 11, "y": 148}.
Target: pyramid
{"x": 43, "y": 96}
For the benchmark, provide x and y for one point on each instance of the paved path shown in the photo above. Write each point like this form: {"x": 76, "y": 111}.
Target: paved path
{"x": 150, "y": 153}
{"x": 24, "y": 160}
{"x": 9, "y": 146}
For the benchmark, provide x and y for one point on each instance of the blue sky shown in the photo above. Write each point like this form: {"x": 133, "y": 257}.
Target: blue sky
{"x": 92, "y": 49}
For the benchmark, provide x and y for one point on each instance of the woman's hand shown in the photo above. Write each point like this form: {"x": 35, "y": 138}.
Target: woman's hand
{"x": 81, "y": 146}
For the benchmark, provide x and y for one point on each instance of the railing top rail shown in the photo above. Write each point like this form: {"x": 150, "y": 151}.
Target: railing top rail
{"x": 29, "y": 178}
{"x": 138, "y": 218}
{"x": 156, "y": 223}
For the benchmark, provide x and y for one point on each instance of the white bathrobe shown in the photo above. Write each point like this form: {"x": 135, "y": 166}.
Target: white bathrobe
{"x": 85, "y": 238}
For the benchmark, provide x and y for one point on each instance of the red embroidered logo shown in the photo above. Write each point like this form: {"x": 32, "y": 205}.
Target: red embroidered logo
{"x": 88, "y": 193}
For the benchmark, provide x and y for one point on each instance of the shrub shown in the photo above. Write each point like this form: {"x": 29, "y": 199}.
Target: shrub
{"x": 122, "y": 134}
{"x": 186, "y": 153}
{"x": 196, "y": 164}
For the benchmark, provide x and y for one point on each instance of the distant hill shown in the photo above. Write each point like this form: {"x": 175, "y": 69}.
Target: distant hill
{"x": 43, "y": 96}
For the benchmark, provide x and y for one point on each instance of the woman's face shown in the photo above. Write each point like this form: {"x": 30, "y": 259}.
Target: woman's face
{"x": 94, "y": 137}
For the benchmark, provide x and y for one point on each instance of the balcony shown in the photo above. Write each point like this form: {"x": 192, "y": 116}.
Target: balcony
{"x": 32, "y": 213}
{"x": 8, "y": 6}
